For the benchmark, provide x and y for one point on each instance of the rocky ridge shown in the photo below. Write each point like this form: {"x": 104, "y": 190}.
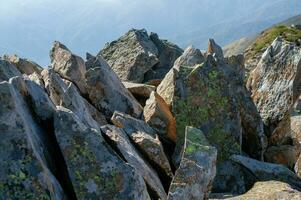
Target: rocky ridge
{"x": 146, "y": 120}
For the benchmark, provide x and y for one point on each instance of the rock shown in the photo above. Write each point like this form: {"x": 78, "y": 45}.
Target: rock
{"x": 64, "y": 93}
{"x": 139, "y": 90}
{"x": 106, "y": 91}
{"x": 195, "y": 175}
{"x": 7, "y": 70}
{"x": 285, "y": 154}
{"x": 95, "y": 171}
{"x": 275, "y": 84}
{"x": 269, "y": 190}
{"x": 297, "y": 167}
{"x": 145, "y": 138}
{"x": 121, "y": 141}
{"x": 25, "y": 66}
{"x": 267, "y": 171}
{"x": 25, "y": 168}
{"x": 157, "y": 114}
{"x": 215, "y": 50}
{"x": 131, "y": 56}
{"x": 68, "y": 65}
{"x": 166, "y": 88}
{"x": 167, "y": 54}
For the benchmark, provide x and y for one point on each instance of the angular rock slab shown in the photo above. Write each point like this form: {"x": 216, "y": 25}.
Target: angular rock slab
{"x": 158, "y": 115}
{"x": 25, "y": 66}
{"x": 138, "y": 89}
{"x": 197, "y": 169}
{"x": 65, "y": 93}
{"x": 132, "y": 156}
{"x": 131, "y": 56}
{"x": 145, "y": 139}
{"x": 68, "y": 65}
{"x": 96, "y": 172}
{"x": 268, "y": 171}
{"x": 106, "y": 91}
{"x": 7, "y": 70}
{"x": 270, "y": 190}
{"x": 275, "y": 82}
{"x": 24, "y": 166}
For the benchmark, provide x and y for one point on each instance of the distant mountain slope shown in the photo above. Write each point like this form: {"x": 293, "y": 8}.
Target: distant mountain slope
{"x": 241, "y": 45}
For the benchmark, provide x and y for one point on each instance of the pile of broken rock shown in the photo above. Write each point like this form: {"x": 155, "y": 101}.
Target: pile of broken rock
{"x": 145, "y": 120}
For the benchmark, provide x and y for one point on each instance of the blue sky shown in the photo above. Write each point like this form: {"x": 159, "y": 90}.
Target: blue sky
{"x": 28, "y": 27}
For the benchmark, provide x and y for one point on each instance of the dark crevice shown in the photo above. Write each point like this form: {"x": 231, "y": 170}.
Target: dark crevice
{"x": 113, "y": 146}
{"x": 153, "y": 194}
{"x": 54, "y": 157}
{"x": 169, "y": 148}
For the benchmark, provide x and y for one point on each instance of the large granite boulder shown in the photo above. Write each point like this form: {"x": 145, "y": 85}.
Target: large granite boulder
{"x": 158, "y": 115}
{"x": 106, "y": 91}
{"x": 194, "y": 177}
{"x": 274, "y": 190}
{"x": 68, "y": 65}
{"x": 96, "y": 172}
{"x": 275, "y": 83}
{"x": 7, "y": 70}
{"x": 146, "y": 139}
{"x": 167, "y": 55}
{"x": 139, "y": 89}
{"x": 122, "y": 142}
{"x": 263, "y": 171}
{"x": 131, "y": 56}
{"x": 26, "y": 167}
{"x": 24, "y": 65}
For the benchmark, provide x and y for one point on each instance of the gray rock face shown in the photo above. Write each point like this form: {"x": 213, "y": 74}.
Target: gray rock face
{"x": 269, "y": 190}
{"x": 195, "y": 175}
{"x": 275, "y": 82}
{"x": 167, "y": 54}
{"x": 106, "y": 91}
{"x": 145, "y": 138}
{"x": 64, "y": 93}
{"x": 25, "y": 160}
{"x": 68, "y": 65}
{"x": 131, "y": 56}
{"x": 190, "y": 57}
{"x": 133, "y": 157}
{"x": 95, "y": 171}
{"x": 7, "y": 70}
{"x": 25, "y": 66}
{"x": 268, "y": 171}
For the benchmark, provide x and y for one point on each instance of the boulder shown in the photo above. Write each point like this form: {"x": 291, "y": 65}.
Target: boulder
{"x": 131, "y": 56}
{"x": 121, "y": 141}
{"x": 197, "y": 169}
{"x": 24, "y": 65}
{"x": 96, "y": 172}
{"x": 7, "y": 70}
{"x": 275, "y": 83}
{"x": 166, "y": 88}
{"x": 25, "y": 169}
{"x": 65, "y": 93}
{"x": 167, "y": 54}
{"x": 139, "y": 90}
{"x": 68, "y": 65}
{"x": 268, "y": 190}
{"x": 158, "y": 115}
{"x": 297, "y": 167}
{"x": 263, "y": 171}
{"x": 106, "y": 91}
{"x": 146, "y": 139}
